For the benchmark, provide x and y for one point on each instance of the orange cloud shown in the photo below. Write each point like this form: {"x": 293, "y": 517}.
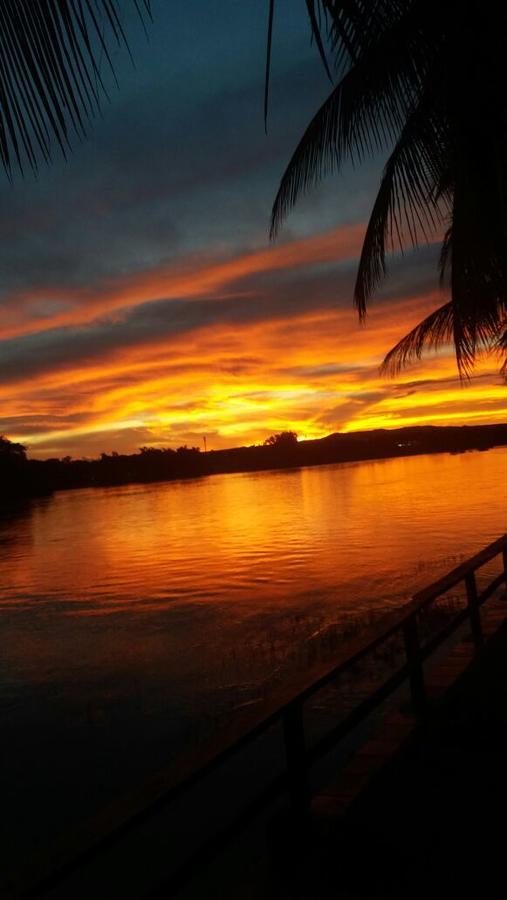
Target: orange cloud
{"x": 314, "y": 374}
{"x": 313, "y": 370}
{"x": 194, "y": 277}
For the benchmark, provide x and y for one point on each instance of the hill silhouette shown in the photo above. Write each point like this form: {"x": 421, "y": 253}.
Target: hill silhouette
{"x": 22, "y": 476}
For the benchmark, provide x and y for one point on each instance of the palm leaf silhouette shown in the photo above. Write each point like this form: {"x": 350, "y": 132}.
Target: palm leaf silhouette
{"x": 50, "y": 72}
{"x": 424, "y": 81}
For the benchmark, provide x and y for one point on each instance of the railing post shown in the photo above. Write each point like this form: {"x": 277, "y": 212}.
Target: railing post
{"x": 473, "y": 610}
{"x": 295, "y": 749}
{"x": 415, "y": 666}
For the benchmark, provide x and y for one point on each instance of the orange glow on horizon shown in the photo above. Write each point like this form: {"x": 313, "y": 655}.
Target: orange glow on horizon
{"x": 237, "y": 382}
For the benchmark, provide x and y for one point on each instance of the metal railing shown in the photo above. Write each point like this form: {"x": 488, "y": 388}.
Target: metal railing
{"x": 286, "y": 707}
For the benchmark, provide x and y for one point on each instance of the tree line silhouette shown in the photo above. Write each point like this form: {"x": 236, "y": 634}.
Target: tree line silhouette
{"x": 21, "y": 476}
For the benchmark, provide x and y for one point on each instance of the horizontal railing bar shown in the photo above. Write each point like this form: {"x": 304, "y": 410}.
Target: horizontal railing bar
{"x": 430, "y": 646}
{"x": 329, "y": 740}
{"x": 270, "y": 792}
{"x": 266, "y": 795}
{"x": 112, "y": 824}
{"x": 79, "y": 845}
{"x": 206, "y": 851}
{"x": 319, "y": 749}
{"x": 459, "y": 573}
{"x": 491, "y": 588}
{"x": 433, "y": 643}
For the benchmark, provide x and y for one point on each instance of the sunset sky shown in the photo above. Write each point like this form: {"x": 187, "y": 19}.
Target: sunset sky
{"x": 141, "y": 301}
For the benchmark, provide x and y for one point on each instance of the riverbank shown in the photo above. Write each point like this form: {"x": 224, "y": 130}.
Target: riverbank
{"x": 33, "y": 477}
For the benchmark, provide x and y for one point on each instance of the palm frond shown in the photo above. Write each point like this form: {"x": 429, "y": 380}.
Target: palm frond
{"x": 269, "y": 42}
{"x": 51, "y": 82}
{"x": 501, "y": 348}
{"x": 365, "y": 113}
{"x": 445, "y": 327}
{"x": 355, "y": 24}
{"x": 435, "y": 330}
{"x": 445, "y": 258}
{"x": 428, "y": 85}
{"x": 407, "y": 205}
{"x": 313, "y": 8}
{"x": 317, "y": 10}
{"x": 473, "y": 259}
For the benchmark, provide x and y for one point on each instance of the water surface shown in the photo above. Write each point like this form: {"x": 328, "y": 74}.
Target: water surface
{"x": 134, "y": 620}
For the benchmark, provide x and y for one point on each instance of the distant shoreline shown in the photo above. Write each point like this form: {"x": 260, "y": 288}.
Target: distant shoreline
{"x": 31, "y": 477}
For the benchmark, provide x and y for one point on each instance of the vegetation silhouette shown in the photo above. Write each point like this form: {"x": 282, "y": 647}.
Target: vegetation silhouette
{"x": 283, "y": 440}
{"x": 11, "y": 454}
{"x": 24, "y": 477}
{"x": 18, "y": 478}
{"x": 424, "y": 80}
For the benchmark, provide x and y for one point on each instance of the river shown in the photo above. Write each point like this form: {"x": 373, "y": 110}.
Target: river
{"x": 134, "y": 620}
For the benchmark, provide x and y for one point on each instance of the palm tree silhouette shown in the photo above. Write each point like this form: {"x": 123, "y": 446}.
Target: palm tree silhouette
{"x": 51, "y": 82}
{"x": 424, "y": 80}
